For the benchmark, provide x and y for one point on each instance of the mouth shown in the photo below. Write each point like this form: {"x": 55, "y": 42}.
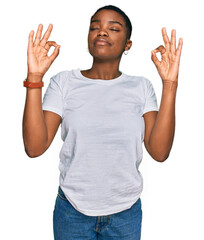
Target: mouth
{"x": 102, "y": 42}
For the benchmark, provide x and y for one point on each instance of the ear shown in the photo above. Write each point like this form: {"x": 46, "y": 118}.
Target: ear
{"x": 128, "y": 45}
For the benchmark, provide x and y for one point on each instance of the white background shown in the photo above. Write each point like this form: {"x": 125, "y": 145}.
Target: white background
{"x": 172, "y": 199}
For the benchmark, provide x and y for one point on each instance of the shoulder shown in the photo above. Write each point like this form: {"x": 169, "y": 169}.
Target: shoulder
{"x": 142, "y": 85}
{"x": 141, "y": 81}
{"x": 62, "y": 76}
{"x": 61, "y": 79}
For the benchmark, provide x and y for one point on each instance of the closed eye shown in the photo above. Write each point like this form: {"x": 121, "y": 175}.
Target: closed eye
{"x": 116, "y": 30}
{"x": 111, "y": 29}
{"x": 92, "y": 29}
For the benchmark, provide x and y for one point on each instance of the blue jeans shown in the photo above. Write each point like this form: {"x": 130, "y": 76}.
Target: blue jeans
{"x": 68, "y": 223}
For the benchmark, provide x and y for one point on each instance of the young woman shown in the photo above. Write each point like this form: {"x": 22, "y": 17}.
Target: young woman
{"x": 105, "y": 116}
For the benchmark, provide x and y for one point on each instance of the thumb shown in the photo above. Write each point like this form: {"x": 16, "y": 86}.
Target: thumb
{"x": 55, "y": 53}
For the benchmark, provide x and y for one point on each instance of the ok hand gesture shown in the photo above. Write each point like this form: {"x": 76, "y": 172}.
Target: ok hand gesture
{"x": 168, "y": 67}
{"x": 38, "y": 59}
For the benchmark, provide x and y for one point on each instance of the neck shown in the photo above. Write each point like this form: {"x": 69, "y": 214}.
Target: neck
{"x": 103, "y": 70}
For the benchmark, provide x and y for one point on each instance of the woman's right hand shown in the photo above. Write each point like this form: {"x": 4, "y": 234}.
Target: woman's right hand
{"x": 38, "y": 59}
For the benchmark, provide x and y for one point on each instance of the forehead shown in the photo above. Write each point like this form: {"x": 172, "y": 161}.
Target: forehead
{"x": 108, "y": 15}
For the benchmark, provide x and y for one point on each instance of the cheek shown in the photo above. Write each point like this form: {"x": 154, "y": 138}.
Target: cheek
{"x": 90, "y": 41}
{"x": 120, "y": 44}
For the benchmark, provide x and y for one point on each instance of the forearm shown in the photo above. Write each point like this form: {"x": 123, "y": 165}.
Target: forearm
{"x": 162, "y": 135}
{"x": 34, "y": 128}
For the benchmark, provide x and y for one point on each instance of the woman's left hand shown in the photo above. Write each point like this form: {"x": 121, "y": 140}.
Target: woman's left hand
{"x": 168, "y": 67}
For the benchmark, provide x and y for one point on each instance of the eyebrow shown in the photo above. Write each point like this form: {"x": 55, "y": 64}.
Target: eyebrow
{"x": 108, "y": 21}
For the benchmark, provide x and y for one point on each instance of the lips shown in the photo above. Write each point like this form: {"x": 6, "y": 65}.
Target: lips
{"x": 102, "y": 42}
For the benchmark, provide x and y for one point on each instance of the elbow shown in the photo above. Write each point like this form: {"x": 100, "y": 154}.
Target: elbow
{"x": 161, "y": 157}
{"x": 34, "y": 148}
{"x": 158, "y": 154}
{"x": 33, "y": 153}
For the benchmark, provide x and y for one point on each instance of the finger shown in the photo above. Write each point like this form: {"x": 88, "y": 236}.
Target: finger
{"x": 30, "y": 39}
{"x": 155, "y": 59}
{"x": 55, "y": 53}
{"x": 38, "y": 35}
{"x": 179, "y": 48}
{"x": 46, "y": 35}
{"x": 160, "y": 49}
{"x": 49, "y": 44}
{"x": 173, "y": 41}
{"x": 166, "y": 39}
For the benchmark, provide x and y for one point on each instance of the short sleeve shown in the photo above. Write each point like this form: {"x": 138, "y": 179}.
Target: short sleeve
{"x": 150, "y": 98}
{"x": 53, "y": 99}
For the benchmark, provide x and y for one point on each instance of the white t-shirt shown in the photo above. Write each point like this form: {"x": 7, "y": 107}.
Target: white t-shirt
{"x": 103, "y": 131}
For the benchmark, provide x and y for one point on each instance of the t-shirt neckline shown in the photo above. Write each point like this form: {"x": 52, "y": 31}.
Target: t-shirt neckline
{"x": 100, "y": 81}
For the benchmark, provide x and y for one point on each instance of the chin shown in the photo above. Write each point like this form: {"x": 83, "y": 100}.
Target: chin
{"x": 104, "y": 55}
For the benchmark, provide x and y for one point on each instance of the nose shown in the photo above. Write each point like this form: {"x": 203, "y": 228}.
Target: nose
{"x": 102, "y": 32}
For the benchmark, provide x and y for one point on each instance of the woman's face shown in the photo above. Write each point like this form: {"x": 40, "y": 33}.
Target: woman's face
{"x": 107, "y": 38}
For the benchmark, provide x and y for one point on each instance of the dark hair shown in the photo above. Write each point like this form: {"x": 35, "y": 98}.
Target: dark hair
{"x": 118, "y": 10}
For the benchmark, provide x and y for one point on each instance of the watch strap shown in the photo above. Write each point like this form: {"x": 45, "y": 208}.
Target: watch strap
{"x": 32, "y": 84}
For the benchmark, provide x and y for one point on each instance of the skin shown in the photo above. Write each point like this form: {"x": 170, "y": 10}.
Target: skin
{"x": 107, "y": 40}
{"x": 110, "y": 26}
